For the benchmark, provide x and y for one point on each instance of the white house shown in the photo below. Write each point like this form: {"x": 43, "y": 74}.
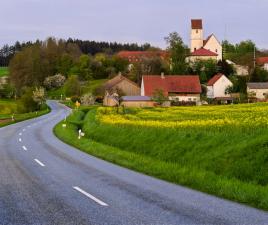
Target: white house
{"x": 209, "y": 48}
{"x": 216, "y": 87}
{"x": 258, "y": 90}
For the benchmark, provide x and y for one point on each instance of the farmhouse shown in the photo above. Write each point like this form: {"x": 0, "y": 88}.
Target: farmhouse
{"x": 178, "y": 88}
{"x": 216, "y": 87}
{"x": 201, "y": 49}
{"x": 122, "y": 86}
{"x": 258, "y": 90}
{"x": 137, "y": 101}
{"x": 263, "y": 62}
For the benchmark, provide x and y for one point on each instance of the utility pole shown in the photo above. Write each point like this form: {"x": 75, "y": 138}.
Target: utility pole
{"x": 254, "y": 57}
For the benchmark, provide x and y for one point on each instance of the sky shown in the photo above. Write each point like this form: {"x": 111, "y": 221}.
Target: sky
{"x": 138, "y": 21}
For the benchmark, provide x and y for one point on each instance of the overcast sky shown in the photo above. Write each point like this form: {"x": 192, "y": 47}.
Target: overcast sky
{"x": 132, "y": 20}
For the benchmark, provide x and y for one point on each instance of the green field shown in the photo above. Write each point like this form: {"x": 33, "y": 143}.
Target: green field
{"x": 8, "y": 108}
{"x": 3, "y": 71}
{"x": 221, "y": 150}
{"x": 88, "y": 87}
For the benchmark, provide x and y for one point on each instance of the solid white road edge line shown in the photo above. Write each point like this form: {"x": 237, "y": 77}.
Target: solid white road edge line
{"x": 24, "y": 148}
{"x": 40, "y": 163}
{"x": 90, "y": 196}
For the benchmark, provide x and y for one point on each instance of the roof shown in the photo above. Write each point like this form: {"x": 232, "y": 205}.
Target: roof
{"x": 259, "y": 85}
{"x": 262, "y": 60}
{"x": 136, "y": 98}
{"x": 171, "y": 84}
{"x": 206, "y": 41}
{"x": 203, "y": 52}
{"x": 214, "y": 79}
{"x": 196, "y": 24}
{"x": 116, "y": 80}
{"x": 133, "y": 56}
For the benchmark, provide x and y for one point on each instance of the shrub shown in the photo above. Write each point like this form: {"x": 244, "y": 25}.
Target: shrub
{"x": 88, "y": 99}
{"x": 72, "y": 86}
{"x": 56, "y": 81}
{"x": 7, "y": 91}
{"x": 26, "y": 102}
{"x": 75, "y": 98}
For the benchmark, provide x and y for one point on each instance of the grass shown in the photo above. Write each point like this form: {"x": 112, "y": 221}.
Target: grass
{"x": 221, "y": 150}
{"x": 4, "y": 71}
{"x": 8, "y": 108}
{"x": 87, "y": 87}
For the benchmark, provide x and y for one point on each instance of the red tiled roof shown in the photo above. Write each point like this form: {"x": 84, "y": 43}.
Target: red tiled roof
{"x": 171, "y": 84}
{"x": 214, "y": 79}
{"x": 133, "y": 56}
{"x": 197, "y": 24}
{"x": 262, "y": 60}
{"x": 203, "y": 52}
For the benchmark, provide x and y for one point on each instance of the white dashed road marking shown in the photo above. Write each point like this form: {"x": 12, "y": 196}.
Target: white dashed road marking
{"x": 90, "y": 196}
{"x": 20, "y": 140}
{"x": 20, "y": 134}
{"x": 40, "y": 163}
{"x": 24, "y": 148}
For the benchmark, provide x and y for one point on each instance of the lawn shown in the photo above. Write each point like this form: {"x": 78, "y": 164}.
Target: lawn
{"x": 4, "y": 71}
{"x": 221, "y": 150}
{"x": 8, "y": 108}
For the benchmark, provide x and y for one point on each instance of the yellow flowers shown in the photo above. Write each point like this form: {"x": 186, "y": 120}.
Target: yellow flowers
{"x": 245, "y": 115}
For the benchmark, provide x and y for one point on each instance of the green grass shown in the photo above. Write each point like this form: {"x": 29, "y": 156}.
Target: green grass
{"x": 88, "y": 87}
{"x": 4, "y": 71}
{"x": 227, "y": 159}
{"x": 9, "y": 108}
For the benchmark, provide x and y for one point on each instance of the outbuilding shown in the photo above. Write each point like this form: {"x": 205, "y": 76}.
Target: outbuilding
{"x": 137, "y": 101}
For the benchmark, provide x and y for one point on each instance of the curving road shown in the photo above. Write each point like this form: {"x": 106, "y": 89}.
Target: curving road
{"x": 44, "y": 181}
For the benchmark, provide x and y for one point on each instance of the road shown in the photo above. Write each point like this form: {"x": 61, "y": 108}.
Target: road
{"x": 44, "y": 181}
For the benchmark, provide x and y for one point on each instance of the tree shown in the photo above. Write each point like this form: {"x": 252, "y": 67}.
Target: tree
{"x": 159, "y": 96}
{"x": 54, "y": 81}
{"x": 39, "y": 96}
{"x": 259, "y": 75}
{"x": 178, "y": 53}
{"x": 26, "y": 102}
{"x": 72, "y": 86}
{"x": 88, "y": 99}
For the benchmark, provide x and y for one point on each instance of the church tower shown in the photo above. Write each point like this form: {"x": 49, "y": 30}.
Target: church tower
{"x": 197, "y": 38}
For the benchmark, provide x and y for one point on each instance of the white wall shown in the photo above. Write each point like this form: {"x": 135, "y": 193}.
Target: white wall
{"x": 186, "y": 98}
{"x": 214, "y": 46}
{"x": 142, "y": 88}
{"x": 260, "y": 93}
{"x": 265, "y": 66}
{"x": 196, "y": 39}
{"x": 219, "y": 88}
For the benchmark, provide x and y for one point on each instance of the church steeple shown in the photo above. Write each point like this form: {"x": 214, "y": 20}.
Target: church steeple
{"x": 196, "y": 34}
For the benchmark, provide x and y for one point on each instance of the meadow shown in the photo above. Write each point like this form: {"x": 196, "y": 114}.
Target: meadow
{"x": 3, "y": 71}
{"x": 221, "y": 150}
{"x": 8, "y": 108}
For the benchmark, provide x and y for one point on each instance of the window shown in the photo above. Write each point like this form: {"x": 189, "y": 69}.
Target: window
{"x": 196, "y": 31}
{"x": 194, "y": 49}
{"x": 216, "y": 50}
{"x": 189, "y": 99}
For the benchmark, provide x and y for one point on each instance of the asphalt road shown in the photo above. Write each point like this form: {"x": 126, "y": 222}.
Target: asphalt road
{"x": 44, "y": 181}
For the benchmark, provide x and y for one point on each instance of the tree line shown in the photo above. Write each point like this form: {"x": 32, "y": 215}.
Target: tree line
{"x": 85, "y": 46}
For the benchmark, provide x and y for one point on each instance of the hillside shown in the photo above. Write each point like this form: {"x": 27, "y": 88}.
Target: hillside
{"x": 221, "y": 150}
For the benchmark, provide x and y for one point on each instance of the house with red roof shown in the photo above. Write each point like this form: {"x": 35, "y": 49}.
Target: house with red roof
{"x": 263, "y": 62}
{"x": 203, "y": 49}
{"x": 138, "y": 56}
{"x": 216, "y": 87}
{"x": 177, "y": 88}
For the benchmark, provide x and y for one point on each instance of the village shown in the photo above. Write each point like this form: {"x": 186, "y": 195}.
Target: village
{"x": 183, "y": 89}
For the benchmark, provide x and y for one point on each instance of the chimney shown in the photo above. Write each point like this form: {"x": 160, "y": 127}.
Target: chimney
{"x": 162, "y": 75}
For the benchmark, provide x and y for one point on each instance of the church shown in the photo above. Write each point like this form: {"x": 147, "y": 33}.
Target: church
{"x": 203, "y": 49}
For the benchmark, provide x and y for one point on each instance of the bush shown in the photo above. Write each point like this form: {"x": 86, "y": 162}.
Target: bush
{"x": 26, "y": 102}
{"x": 56, "y": 81}
{"x": 72, "y": 86}
{"x": 7, "y": 91}
{"x": 88, "y": 99}
{"x": 75, "y": 99}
